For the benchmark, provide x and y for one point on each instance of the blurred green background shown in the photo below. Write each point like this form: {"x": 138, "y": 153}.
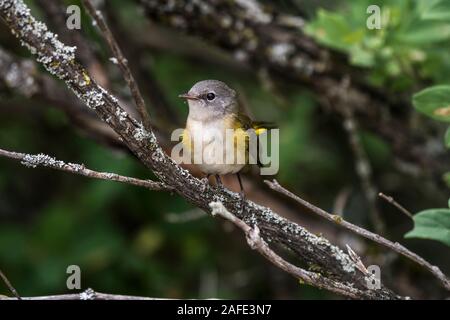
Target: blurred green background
{"x": 125, "y": 239}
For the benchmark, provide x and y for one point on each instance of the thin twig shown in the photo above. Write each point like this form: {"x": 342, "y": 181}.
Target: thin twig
{"x": 157, "y": 99}
{"x": 397, "y": 247}
{"x": 364, "y": 171}
{"x": 391, "y": 200}
{"x": 341, "y": 201}
{"x": 9, "y": 285}
{"x": 357, "y": 260}
{"x": 121, "y": 61}
{"x": 88, "y": 294}
{"x": 363, "y": 167}
{"x": 255, "y": 242}
{"x": 43, "y": 160}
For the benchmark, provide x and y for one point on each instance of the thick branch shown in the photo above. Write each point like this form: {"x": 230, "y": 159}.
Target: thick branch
{"x": 257, "y": 243}
{"x": 60, "y": 60}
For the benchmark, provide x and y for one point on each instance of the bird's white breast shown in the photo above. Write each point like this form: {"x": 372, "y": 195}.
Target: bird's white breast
{"x": 211, "y": 157}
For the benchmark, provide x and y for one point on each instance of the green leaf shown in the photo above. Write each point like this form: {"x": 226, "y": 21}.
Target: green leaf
{"x": 447, "y": 138}
{"x": 436, "y": 10}
{"x": 434, "y": 102}
{"x": 423, "y": 6}
{"x": 432, "y": 224}
{"x": 362, "y": 57}
{"x": 424, "y": 32}
{"x": 333, "y": 29}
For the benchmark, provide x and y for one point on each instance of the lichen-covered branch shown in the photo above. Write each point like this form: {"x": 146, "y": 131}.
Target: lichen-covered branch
{"x": 43, "y": 160}
{"x": 265, "y": 39}
{"x": 88, "y": 294}
{"x": 255, "y": 242}
{"x": 60, "y": 61}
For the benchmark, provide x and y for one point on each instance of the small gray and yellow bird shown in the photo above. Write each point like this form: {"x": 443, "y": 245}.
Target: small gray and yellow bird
{"x": 214, "y": 109}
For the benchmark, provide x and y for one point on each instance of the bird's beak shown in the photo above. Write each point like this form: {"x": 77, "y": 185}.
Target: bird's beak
{"x": 188, "y": 96}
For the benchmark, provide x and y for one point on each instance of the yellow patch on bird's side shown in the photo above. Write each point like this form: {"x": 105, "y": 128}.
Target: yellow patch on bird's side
{"x": 260, "y": 131}
{"x": 186, "y": 139}
{"x": 240, "y": 138}
{"x": 241, "y": 145}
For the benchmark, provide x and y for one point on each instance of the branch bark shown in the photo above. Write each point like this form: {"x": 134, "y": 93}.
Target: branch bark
{"x": 88, "y": 294}
{"x": 255, "y": 242}
{"x": 60, "y": 60}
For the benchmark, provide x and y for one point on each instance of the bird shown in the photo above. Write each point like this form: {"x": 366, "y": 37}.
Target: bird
{"x": 214, "y": 109}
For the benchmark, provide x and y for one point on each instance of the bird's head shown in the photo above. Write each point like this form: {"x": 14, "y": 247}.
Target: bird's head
{"x": 210, "y": 99}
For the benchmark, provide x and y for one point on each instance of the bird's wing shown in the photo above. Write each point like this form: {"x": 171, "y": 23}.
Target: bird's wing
{"x": 259, "y": 128}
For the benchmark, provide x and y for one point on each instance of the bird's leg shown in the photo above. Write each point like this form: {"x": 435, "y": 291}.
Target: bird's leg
{"x": 219, "y": 182}
{"x": 241, "y": 192}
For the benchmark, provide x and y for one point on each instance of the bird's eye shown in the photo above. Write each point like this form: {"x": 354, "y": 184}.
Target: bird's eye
{"x": 210, "y": 96}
